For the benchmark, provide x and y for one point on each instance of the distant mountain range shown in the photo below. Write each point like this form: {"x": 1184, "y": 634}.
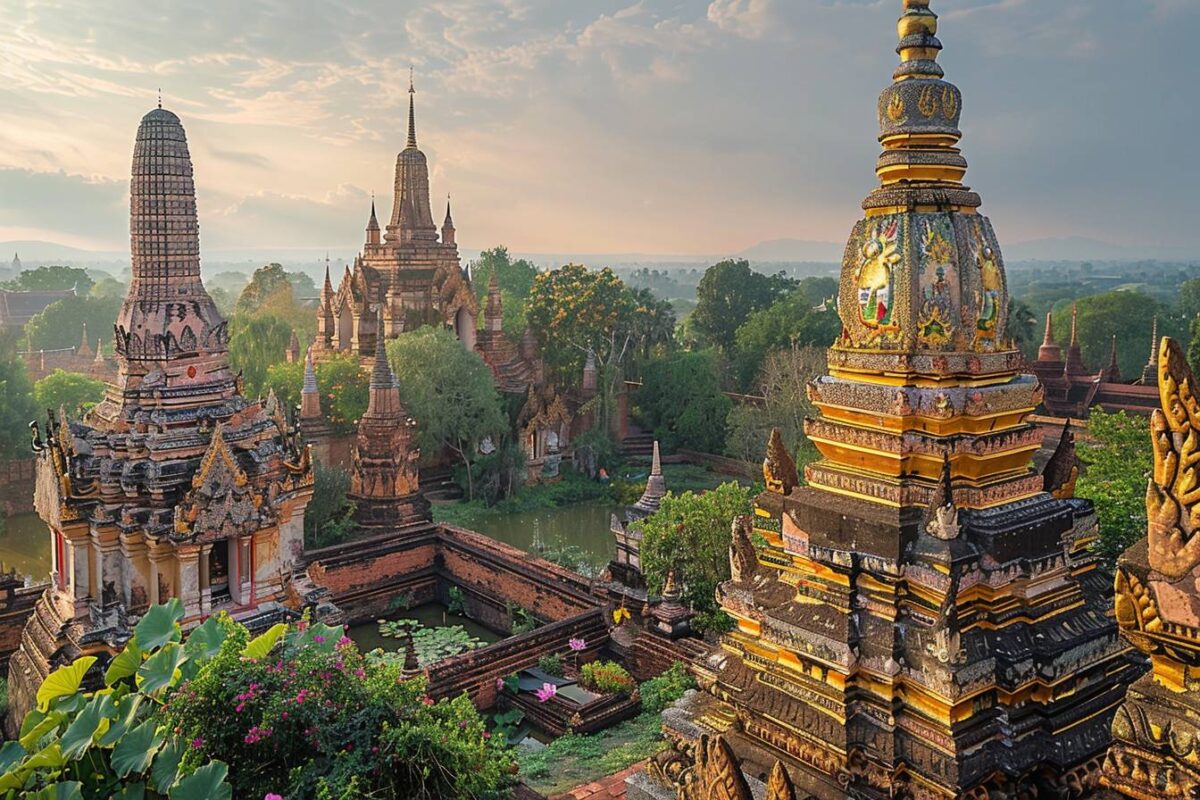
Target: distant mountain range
{"x": 1075, "y": 248}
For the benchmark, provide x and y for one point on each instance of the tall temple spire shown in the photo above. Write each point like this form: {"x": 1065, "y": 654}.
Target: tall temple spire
{"x": 1150, "y": 371}
{"x": 1075, "y": 368}
{"x": 310, "y": 396}
{"x": 656, "y": 487}
{"x": 1049, "y": 351}
{"x": 448, "y": 235}
{"x": 85, "y": 347}
{"x": 412, "y": 217}
{"x": 1112, "y": 372}
{"x": 412, "y": 115}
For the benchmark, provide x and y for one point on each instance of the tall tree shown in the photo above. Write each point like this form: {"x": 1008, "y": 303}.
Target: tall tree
{"x": 60, "y": 324}
{"x": 691, "y": 533}
{"x": 449, "y": 392}
{"x": 652, "y": 323}
{"x": 1127, "y": 315}
{"x": 783, "y": 384}
{"x": 71, "y": 390}
{"x": 728, "y": 294}
{"x": 17, "y": 407}
{"x": 52, "y": 278}
{"x": 255, "y": 343}
{"x": 573, "y": 308}
{"x": 515, "y": 279}
{"x": 804, "y": 317}
{"x": 681, "y": 400}
{"x": 1022, "y": 327}
{"x": 1117, "y": 461}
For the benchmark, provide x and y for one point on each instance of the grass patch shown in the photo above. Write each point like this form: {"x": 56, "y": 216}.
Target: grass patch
{"x": 571, "y": 488}
{"x": 575, "y": 759}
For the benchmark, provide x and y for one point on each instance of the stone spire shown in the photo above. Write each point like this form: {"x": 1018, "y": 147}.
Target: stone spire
{"x": 1049, "y": 351}
{"x": 1111, "y": 373}
{"x": 656, "y": 488}
{"x": 493, "y": 313}
{"x": 385, "y": 482}
{"x": 385, "y": 392}
{"x": 448, "y": 233}
{"x": 167, "y": 314}
{"x": 1075, "y": 368}
{"x": 293, "y": 348}
{"x": 85, "y": 348}
{"x": 588, "y": 385}
{"x": 310, "y": 395}
{"x": 412, "y": 115}
{"x": 412, "y": 218}
{"x": 1150, "y": 371}
{"x": 373, "y": 226}
{"x": 326, "y": 287}
{"x": 99, "y": 352}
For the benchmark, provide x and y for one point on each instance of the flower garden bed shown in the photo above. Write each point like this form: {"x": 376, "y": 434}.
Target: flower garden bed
{"x": 568, "y": 705}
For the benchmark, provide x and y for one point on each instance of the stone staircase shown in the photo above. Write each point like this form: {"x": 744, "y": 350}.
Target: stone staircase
{"x": 438, "y": 486}
{"x": 637, "y": 446}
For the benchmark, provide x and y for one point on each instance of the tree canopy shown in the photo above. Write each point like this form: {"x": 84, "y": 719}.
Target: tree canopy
{"x": 681, "y": 400}
{"x": 783, "y": 383}
{"x": 60, "y": 324}
{"x": 802, "y": 317}
{"x": 255, "y": 343}
{"x": 515, "y": 279}
{"x": 573, "y": 308}
{"x": 1127, "y": 315}
{"x": 50, "y": 279}
{"x": 448, "y": 391}
{"x": 71, "y": 390}
{"x": 691, "y": 532}
{"x": 341, "y": 380}
{"x": 728, "y": 294}
{"x": 17, "y": 407}
{"x": 1117, "y": 461}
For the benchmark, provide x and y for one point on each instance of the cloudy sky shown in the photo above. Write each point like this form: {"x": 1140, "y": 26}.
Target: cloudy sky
{"x": 659, "y": 126}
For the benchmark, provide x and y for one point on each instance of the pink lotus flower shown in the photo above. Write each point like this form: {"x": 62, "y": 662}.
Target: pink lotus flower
{"x": 576, "y": 644}
{"x": 547, "y": 691}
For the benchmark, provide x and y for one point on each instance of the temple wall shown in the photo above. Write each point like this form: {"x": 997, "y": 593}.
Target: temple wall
{"x": 476, "y": 672}
{"x": 14, "y": 612}
{"x": 16, "y": 486}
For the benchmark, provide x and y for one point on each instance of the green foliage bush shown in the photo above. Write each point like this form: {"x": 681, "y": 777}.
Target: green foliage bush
{"x": 60, "y": 324}
{"x": 17, "y": 408}
{"x": 607, "y": 677}
{"x": 72, "y": 391}
{"x": 329, "y": 518}
{"x": 682, "y": 402}
{"x": 1117, "y": 462}
{"x": 551, "y": 665}
{"x": 662, "y": 691}
{"x": 691, "y": 532}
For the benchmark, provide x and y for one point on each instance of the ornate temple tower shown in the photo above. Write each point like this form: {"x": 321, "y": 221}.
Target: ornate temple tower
{"x": 1157, "y": 729}
{"x": 409, "y": 274}
{"x": 175, "y": 485}
{"x": 626, "y": 565}
{"x": 923, "y": 620}
{"x": 385, "y": 484}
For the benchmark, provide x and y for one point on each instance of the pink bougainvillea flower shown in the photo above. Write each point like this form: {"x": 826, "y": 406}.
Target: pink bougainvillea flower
{"x": 547, "y": 691}
{"x": 577, "y": 644}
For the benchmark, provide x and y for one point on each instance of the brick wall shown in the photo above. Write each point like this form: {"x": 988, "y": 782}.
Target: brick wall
{"x": 16, "y": 486}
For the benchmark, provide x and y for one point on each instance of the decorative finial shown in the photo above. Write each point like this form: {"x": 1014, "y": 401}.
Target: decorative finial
{"x": 412, "y": 114}
{"x": 1074, "y": 324}
{"x": 160, "y": 97}
{"x": 1154, "y": 339}
{"x": 1049, "y": 339}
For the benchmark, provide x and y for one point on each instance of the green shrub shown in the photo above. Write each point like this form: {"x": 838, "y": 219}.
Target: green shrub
{"x": 551, "y": 665}
{"x": 606, "y": 677}
{"x": 660, "y": 692}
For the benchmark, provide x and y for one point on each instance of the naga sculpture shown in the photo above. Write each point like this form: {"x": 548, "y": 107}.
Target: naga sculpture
{"x": 716, "y": 775}
{"x": 1156, "y": 750}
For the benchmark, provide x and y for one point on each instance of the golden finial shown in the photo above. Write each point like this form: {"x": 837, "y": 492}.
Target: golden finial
{"x": 160, "y": 97}
{"x": 412, "y": 116}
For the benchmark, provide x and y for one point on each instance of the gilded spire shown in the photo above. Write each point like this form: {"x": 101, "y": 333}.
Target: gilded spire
{"x": 918, "y": 120}
{"x": 1074, "y": 325}
{"x": 412, "y": 116}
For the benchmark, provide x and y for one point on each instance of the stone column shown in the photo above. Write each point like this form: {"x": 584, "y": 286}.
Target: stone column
{"x": 136, "y": 589}
{"x": 188, "y": 590}
{"x": 160, "y": 563}
{"x": 205, "y": 579}
{"x": 77, "y": 561}
{"x": 106, "y": 543}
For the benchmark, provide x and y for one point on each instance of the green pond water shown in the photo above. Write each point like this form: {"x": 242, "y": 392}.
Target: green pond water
{"x": 25, "y": 545}
{"x": 580, "y": 529}
{"x": 431, "y": 615}
{"x": 583, "y": 528}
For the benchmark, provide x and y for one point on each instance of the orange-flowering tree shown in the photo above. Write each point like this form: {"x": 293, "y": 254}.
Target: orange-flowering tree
{"x": 573, "y": 308}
